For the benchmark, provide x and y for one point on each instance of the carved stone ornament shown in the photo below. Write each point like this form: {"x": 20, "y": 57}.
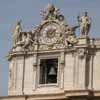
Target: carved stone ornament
{"x": 52, "y": 33}
{"x": 25, "y": 42}
{"x": 82, "y": 52}
{"x": 51, "y": 13}
{"x": 70, "y": 38}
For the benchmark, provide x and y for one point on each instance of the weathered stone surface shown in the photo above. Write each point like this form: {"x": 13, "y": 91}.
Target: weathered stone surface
{"x": 78, "y": 62}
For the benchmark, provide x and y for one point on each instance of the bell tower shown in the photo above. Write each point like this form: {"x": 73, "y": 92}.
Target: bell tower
{"x": 50, "y": 60}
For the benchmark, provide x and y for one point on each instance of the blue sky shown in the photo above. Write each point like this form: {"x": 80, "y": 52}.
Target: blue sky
{"x": 29, "y": 12}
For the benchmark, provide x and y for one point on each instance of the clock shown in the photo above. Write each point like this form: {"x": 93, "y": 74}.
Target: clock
{"x": 50, "y": 33}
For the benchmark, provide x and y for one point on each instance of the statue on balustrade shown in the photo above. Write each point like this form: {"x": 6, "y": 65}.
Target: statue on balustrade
{"x": 16, "y": 32}
{"x": 85, "y": 24}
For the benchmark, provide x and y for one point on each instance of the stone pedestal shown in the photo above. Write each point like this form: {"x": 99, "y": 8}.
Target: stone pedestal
{"x": 83, "y": 41}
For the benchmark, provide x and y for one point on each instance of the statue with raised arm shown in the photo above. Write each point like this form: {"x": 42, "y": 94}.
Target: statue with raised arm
{"x": 85, "y": 24}
{"x": 16, "y": 33}
{"x": 70, "y": 37}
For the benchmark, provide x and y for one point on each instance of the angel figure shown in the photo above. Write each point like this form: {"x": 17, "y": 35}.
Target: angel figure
{"x": 16, "y": 33}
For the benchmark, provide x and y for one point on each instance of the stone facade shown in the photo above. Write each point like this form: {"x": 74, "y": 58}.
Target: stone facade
{"x": 76, "y": 71}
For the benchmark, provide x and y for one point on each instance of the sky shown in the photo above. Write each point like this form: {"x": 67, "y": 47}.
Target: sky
{"x": 29, "y": 12}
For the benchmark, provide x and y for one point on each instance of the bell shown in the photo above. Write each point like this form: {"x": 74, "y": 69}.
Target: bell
{"x": 52, "y": 71}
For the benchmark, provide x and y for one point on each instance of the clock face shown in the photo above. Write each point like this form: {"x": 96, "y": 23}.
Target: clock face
{"x": 50, "y": 32}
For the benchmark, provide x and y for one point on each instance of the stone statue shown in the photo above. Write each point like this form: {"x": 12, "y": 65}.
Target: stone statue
{"x": 85, "y": 24}
{"x": 28, "y": 41}
{"x": 70, "y": 30}
{"x": 16, "y": 32}
{"x": 70, "y": 38}
{"x": 23, "y": 37}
